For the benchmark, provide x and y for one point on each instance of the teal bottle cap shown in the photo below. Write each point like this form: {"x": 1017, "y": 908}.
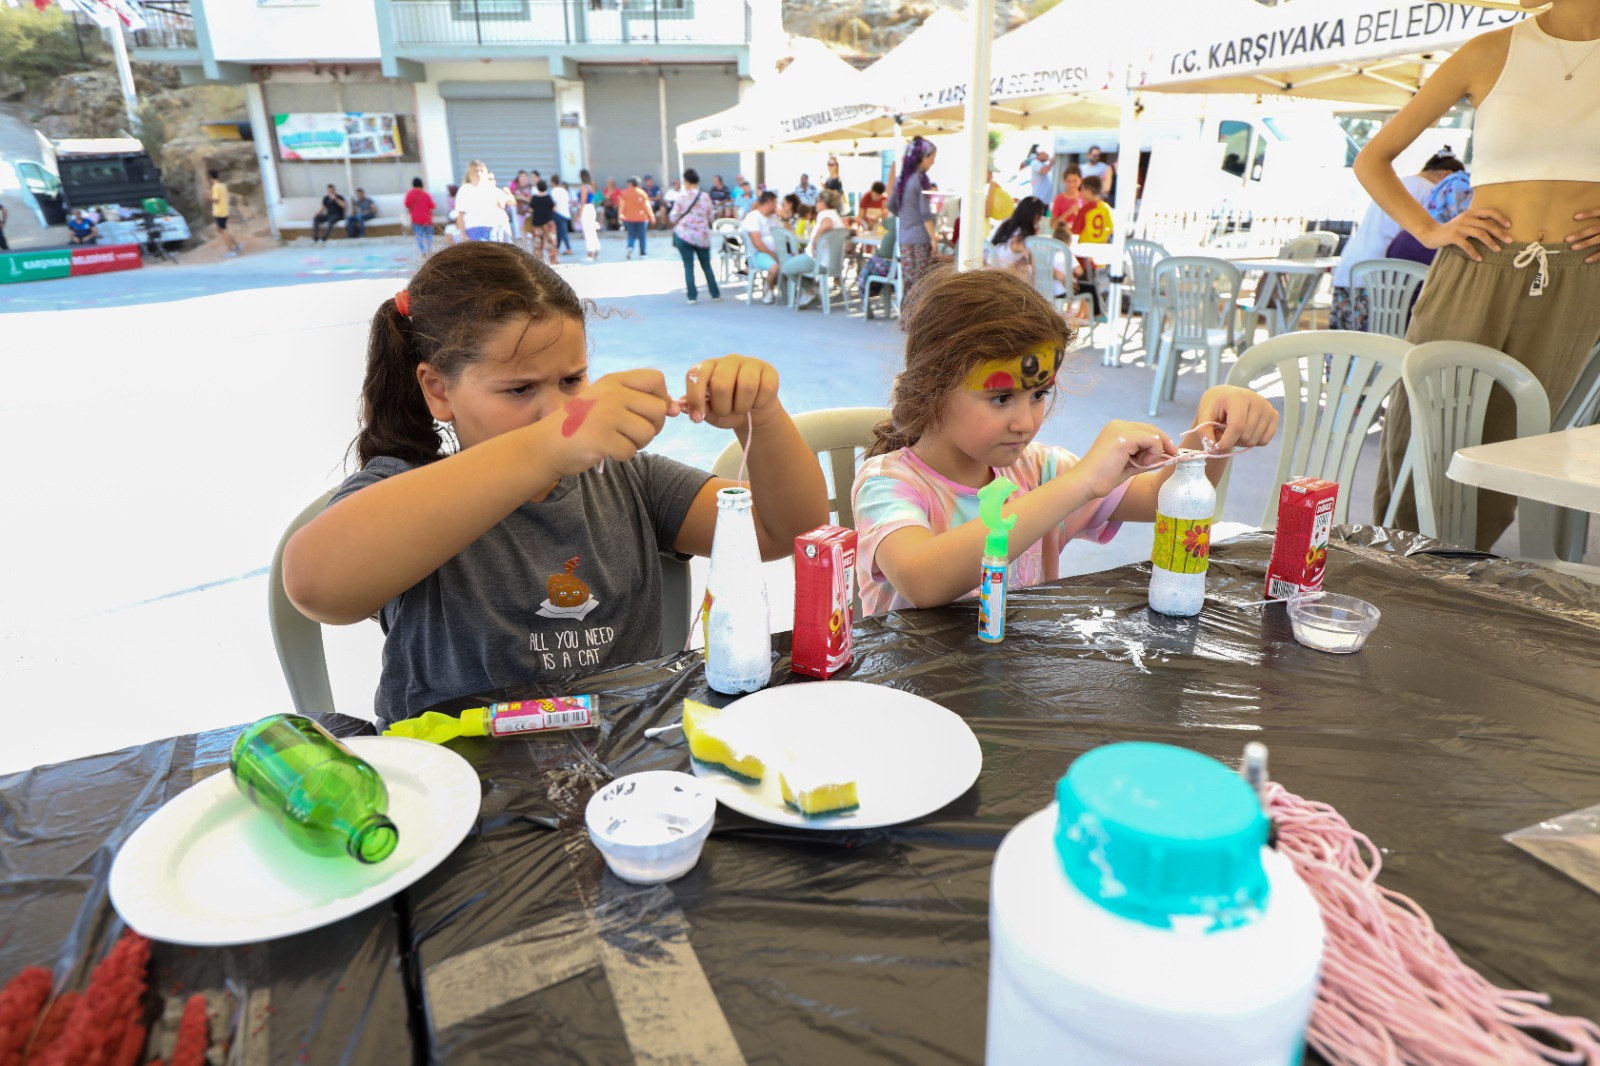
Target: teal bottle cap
{"x": 1155, "y": 833}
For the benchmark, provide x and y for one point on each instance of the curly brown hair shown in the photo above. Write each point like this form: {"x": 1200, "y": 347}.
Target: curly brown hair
{"x": 954, "y": 322}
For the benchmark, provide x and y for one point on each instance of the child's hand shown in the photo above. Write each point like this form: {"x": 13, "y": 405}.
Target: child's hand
{"x": 723, "y": 392}
{"x": 1248, "y": 420}
{"x": 611, "y": 419}
{"x": 1120, "y": 450}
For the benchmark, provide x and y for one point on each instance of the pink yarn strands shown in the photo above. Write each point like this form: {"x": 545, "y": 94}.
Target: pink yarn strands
{"x": 1393, "y": 991}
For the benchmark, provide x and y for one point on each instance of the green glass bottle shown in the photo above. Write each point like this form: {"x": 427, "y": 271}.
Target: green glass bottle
{"x": 327, "y": 800}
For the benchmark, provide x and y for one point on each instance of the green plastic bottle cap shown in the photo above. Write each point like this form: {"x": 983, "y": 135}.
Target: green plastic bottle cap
{"x": 1152, "y": 832}
{"x": 997, "y": 542}
{"x": 475, "y": 723}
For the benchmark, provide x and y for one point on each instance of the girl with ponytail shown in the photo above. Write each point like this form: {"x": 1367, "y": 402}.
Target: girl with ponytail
{"x": 505, "y": 527}
{"x": 915, "y": 215}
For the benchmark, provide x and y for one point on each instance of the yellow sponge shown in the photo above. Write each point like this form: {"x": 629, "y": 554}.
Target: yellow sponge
{"x": 711, "y": 745}
{"x": 818, "y": 797}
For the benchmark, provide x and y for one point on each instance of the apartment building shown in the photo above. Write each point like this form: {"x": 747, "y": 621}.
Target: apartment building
{"x": 553, "y": 85}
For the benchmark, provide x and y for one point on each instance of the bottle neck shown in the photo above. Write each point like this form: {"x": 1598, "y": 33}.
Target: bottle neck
{"x": 372, "y": 839}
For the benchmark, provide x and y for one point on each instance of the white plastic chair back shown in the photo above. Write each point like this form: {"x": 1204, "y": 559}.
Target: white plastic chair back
{"x": 1196, "y": 294}
{"x": 1043, "y": 252}
{"x": 1391, "y": 285}
{"x": 728, "y": 225}
{"x": 1142, "y": 259}
{"x": 297, "y": 638}
{"x": 1334, "y": 386}
{"x": 1307, "y": 246}
{"x": 1448, "y": 385}
{"x": 1582, "y": 408}
{"x": 835, "y": 435}
{"x": 893, "y": 282}
{"x": 829, "y": 254}
{"x": 1327, "y": 241}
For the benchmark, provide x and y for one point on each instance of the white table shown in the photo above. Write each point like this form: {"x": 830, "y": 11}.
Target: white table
{"x": 1560, "y": 468}
{"x": 1273, "y": 271}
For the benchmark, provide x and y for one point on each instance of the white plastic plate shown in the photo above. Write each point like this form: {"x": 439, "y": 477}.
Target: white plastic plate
{"x": 211, "y": 869}
{"x": 913, "y": 756}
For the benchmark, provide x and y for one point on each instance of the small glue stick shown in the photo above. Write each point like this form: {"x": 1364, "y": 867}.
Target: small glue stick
{"x": 996, "y": 559}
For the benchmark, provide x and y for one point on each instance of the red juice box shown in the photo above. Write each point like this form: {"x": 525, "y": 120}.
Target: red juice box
{"x": 1300, "y": 549}
{"x": 824, "y": 598}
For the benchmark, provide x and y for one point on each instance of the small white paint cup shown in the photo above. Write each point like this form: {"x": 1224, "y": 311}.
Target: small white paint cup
{"x": 651, "y": 826}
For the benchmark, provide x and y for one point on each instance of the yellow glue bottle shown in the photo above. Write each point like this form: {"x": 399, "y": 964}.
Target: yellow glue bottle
{"x": 996, "y": 559}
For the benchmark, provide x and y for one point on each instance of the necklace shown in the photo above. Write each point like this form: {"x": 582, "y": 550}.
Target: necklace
{"x": 1561, "y": 51}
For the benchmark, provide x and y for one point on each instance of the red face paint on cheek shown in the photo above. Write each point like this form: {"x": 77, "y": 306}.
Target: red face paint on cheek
{"x": 577, "y": 411}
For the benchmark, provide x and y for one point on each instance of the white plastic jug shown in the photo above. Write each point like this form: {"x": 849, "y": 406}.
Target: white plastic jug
{"x": 1142, "y": 921}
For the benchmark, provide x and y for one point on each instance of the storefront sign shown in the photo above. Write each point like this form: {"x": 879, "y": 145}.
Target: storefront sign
{"x": 104, "y": 258}
{"x": 35, "y": 266}
{"x": 336, "y": 135}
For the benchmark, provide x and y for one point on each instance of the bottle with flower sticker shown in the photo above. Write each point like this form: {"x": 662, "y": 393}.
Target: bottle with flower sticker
{"x": 1182, "y": 550}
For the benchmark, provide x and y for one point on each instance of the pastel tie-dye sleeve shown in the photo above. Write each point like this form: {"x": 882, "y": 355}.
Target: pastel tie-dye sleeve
{"x": 883, "y": 505}
{"x": 1092, "y": 521}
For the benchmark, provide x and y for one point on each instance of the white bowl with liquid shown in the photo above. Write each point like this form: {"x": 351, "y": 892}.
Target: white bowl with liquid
{"x": 1333, "y": 623}
{"x": 651, "y": 826}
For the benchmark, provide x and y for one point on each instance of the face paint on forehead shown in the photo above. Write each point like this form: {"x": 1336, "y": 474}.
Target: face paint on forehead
{"x": 1031, "y": 370}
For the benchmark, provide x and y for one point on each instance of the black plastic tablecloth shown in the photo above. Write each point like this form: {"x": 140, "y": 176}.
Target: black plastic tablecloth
{"x": 1473, "y": 710}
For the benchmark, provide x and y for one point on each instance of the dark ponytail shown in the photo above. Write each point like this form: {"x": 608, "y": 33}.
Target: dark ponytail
{"x": 395, "y": 419}
{"x": 460, "y": 295}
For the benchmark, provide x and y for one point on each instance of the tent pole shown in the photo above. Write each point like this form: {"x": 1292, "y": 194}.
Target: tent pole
{"x": 1127, "y": 188}
{"x": 974, "y": 221}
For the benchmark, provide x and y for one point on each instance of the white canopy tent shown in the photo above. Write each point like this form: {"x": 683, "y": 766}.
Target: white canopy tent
{"x": 817, "y": 94}
{"x": 1369, "y": 52}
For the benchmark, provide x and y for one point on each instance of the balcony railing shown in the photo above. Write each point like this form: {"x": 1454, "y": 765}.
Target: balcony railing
{"x": 570, "y": 22}
{"x": 168, "y": 24}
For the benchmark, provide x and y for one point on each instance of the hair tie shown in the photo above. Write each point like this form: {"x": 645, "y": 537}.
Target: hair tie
{"x": 402, "y": 302}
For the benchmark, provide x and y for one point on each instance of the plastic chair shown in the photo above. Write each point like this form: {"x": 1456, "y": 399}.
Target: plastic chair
{"x": 835, "y": 435}
{"x": 891, "y": 283}
{"x": 1582, "y": 408}
{"x": 1142, "y": 259}
{"x": 1043, "y": 251}
{"x": 1392, "y": 286}
{"x": 304, "y": 660}
{"x": 829, "y": 268}
{"x": 730, "y": 249}
{"x": 1193, "y": 313}
{"x": 297, "y": 638}
{"x": 1448, "y": 385}
{"x": 1327, "y": 241}
{"x": 1334, "y": 386}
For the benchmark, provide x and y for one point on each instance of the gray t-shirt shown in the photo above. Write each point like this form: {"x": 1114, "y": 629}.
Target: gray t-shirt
{"x": 556, "y": 591}
{"x": 912, "y": 213}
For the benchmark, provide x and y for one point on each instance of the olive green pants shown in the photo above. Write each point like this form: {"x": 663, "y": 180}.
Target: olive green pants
{"x": 1489, "y": 303}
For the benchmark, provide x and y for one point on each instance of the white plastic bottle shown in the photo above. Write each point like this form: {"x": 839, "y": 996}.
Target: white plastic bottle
{"x": 1142, "y": 921}
{"x": 738, "y": 631}
{"x": 1182, "y": 549}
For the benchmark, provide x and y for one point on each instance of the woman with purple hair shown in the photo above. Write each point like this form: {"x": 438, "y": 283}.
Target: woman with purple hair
{"x": 915, "y": 214}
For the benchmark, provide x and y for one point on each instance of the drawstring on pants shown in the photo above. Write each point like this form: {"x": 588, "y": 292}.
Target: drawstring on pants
{"x": 1541, "y": 277}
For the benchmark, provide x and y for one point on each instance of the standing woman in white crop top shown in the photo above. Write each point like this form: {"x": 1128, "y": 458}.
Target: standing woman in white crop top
{"x": 1519, "y": 270}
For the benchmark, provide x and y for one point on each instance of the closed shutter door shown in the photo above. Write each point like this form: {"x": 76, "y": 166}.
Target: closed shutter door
{"x": 508, "y": 135}
{"x": 624, "y": 114}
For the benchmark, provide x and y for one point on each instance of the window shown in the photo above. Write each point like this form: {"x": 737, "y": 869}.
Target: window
{"x": 499, "y": 10}
{"x": 1261, "y": 159}
{"x": 93, "y": 172}
{"x": 1235, "y": 136}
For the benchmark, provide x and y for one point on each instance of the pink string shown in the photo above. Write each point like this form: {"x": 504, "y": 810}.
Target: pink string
{"x": 1393, "y": 992}
{"x": 1186, "y": 454}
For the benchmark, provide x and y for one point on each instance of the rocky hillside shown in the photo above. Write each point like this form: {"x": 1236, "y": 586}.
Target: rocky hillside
{"x": 89, "y": 104}
{"x": 872, "y": 27}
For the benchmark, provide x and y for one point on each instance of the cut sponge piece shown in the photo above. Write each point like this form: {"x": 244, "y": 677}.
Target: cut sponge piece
{"x": 711, "y": 744}
{"x": 814, "y": 799}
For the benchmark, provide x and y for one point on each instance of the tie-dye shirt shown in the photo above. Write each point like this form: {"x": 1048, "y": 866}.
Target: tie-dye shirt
{"x": 899, "y": 490}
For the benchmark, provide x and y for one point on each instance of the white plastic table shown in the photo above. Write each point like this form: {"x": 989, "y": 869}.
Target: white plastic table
{"x": 1560, "y": 468}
